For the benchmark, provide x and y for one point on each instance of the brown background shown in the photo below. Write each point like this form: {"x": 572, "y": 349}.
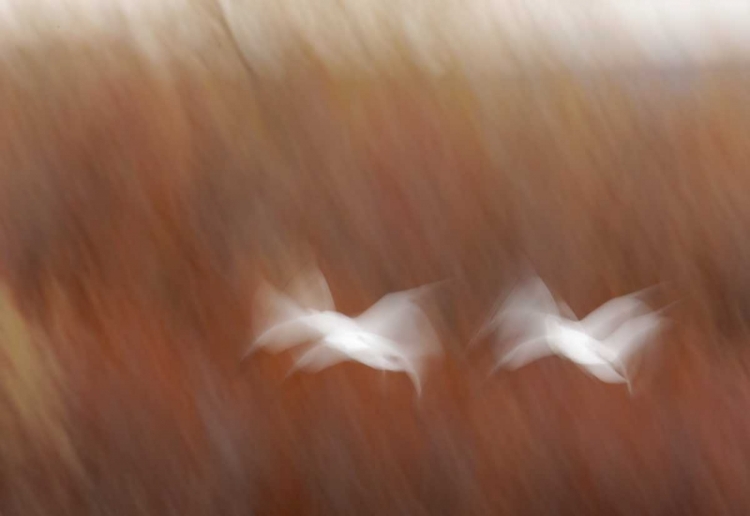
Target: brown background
{"x": 140, "y": 204}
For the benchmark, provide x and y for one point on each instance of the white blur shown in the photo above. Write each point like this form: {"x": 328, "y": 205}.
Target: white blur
{"x": 602, "y": 344}
{"x": 392, "y": 335}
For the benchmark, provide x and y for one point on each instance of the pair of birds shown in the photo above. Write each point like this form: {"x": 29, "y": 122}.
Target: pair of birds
{"x": 396, "y": 335}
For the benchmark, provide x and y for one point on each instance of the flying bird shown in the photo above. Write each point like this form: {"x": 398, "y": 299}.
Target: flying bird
{"x": 602, "y": 343}
{"x": 394, "y": 334}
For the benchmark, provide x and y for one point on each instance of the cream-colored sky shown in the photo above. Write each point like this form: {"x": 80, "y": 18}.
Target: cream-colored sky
{"x": 502, "y": 34}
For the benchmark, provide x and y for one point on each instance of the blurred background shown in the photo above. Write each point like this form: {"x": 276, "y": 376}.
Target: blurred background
{"x": 160, "y": 158}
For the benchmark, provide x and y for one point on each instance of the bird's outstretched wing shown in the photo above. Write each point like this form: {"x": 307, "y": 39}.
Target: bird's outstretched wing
{"x": 283, "y": 323}
{"x": 524, "y": 311}
{"x": 524, "y": 353}
{"x": 631, "y": 336}
{"x": 398, "y": 317}
{"x": 405, "y": 330}
{"x": 574, "y": 343}
{"x": 317, "y": 358}
{"x": 388, "y": 314}
{"x": 310, "y": 291}
{"x": 609, "y": 316}
{"x": 271, "y": 306}
{"x": 287, "y": 320}
{"x": 287, "y": 334}
{"x": 310, "y": 326}
{"x": 271, "y": 309}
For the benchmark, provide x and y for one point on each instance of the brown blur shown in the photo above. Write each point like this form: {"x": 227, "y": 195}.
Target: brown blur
{"x": 144, "y": 195}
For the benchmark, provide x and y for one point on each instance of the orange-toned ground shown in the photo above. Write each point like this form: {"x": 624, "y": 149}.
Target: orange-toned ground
{"x": 140, "y": 207}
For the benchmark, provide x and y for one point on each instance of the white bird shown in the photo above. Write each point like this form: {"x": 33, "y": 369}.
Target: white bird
{"x": 392, "y": 335}
{"x": 602, "y": 343}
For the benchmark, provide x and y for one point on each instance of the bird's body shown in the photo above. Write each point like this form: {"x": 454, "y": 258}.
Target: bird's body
{"x": 392, "y": 335}
{"x": 602, "y": 343}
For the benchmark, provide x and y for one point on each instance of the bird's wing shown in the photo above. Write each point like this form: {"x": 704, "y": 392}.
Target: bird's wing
{"x": 525, "y": 353}
{"x": 631, "y": 336}
{"x": 310, "y": 290}
{"x": 318, "y": 358}
{"x": 397, "y": 317}
{"x": 386, "y": 314}
{"x": 579, "y": 352}
{"x": 536, "y": 296}
{"x": 272, "y": 313}
{"x": 291, "y": 333}
{"x": 271, "y": 307}
{"x": 283, "y": 336}
{"x": 608, "y": 317}
{"x": 525, "y": 310}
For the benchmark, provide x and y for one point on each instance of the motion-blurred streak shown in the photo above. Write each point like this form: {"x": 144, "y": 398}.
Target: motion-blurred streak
{"x": 602, "y": 343}
{"x": 394, "y": 334}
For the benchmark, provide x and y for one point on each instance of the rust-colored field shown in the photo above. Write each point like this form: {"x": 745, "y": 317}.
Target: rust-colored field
{"x": 141, "y": 204}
